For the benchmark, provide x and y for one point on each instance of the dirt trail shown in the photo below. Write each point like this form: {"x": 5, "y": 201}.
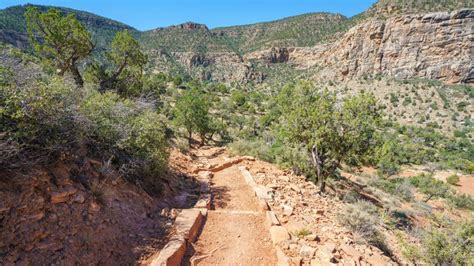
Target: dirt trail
{"x": 235, "y": 231}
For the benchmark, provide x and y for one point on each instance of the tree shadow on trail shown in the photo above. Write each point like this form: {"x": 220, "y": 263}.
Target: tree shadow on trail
{"x": 220, "y": 197}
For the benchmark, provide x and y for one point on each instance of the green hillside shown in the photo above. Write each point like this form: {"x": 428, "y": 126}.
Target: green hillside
{"x": 187, "y": 37}
{"x": 302, "y": 30}
{"x": 386, "y": 8}
{"x": 13, "y": 25}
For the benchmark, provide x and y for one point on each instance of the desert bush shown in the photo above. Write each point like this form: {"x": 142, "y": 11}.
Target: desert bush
{"x": 388, "y": 163}
{"x": 108, "y": 118}
{"x": 405, "y": 190}
{"x": 130, "y": 133}
{"x": 40, "y": 120}
{"x": 396, "y": 186}
{"x": 192, "y": 113}
{"x": 362, "y": 218}
{"x": 464, "y": 165}
{"x": 453, "y": 180}
{"x": 302, "y": 233}
{"x": 410, "y": 251}
{"x": 147, "y": 141}
{"x": 257, "y": 148}
{"x": 462, "y": 201}
{"x": 431, "y": 187}
{"x": 451, "y": 244}
{"x": 330, "y": 133}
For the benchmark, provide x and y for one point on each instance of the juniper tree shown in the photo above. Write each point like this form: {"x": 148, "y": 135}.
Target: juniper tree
{"x": 60, "y": 40}
{"x": 127, "y": 61}
{"x": 331, "y": 132}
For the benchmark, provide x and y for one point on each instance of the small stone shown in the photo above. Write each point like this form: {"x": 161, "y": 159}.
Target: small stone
{"x": 37, "y": 216}
{"x": 273, "y": 186}
{"x": 377, "y": 259}
{"x": 329, "y": 247}
{"x": 351, "y": 251}
{"x": 79, "y": 198}
{"x": 293, "y": 247}
{"x": 296, "y": 261}
{"x": 295, "y": 188}
{"x": 94, "y": 207}
{"x": 272, "y": 219}
{"x": 173, "y": 213}
{"x": 318, "y": 262}
{"x": 63, "y": 196}
{"x": 307, "y": 251}
{"x": 287, "y": 210}
{"x": 165, "y": 212}
{"x": 311, "y": 237}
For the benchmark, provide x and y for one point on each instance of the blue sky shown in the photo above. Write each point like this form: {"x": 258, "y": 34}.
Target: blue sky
{"x": 149, "y": 14}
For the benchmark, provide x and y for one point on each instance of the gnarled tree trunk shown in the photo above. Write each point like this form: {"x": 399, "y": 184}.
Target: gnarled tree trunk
{"x": 318, "y": 162}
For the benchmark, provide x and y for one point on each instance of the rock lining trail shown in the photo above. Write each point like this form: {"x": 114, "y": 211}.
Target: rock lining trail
{"x": 257, "y": 211}
{"x": 235, "y": 231}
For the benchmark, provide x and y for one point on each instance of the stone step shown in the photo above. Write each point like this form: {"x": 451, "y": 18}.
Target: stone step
{"x": 237, "y": 212}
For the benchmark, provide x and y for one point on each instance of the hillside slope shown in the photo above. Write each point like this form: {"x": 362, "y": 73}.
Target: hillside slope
{"x": 302, "y": 30}
{"x": 13, "y": 26}
{"x": 395, "y": 38}
{"x": 390, "y": 8}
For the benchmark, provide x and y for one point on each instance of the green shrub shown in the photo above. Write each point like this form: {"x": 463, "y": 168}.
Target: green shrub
{"x": 433, "y": 188}
{"x": 147, "y": 141}
{"x": 451, "y": 245}
{"x": 404, "y": 190}
{"x": 133, "y": 136}
{"x": 302, "y": 233}
{"x": 108, "y": 117}
{"x": 256, "y": 148}
{"x": 462, "y": 201}
{"x": 453, "y": 180}
{"x": 41, "y": 120}
{"x": 409, "y": 251}
{"x": 464, "y": 165}
{"x": 362, "y": 218}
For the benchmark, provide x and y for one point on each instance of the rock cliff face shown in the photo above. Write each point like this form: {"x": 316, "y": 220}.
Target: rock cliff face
{"x": 214, "y": 66}
{"x": 271, "y": 56}
{"x": 433, "y": 46}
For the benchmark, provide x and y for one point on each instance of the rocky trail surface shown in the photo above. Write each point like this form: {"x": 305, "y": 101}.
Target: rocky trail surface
{"x": 261, "y": 215}
{"x": 235, "y": 229}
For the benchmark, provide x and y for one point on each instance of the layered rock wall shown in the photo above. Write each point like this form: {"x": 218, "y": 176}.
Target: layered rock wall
{"x": 434, "y": 46}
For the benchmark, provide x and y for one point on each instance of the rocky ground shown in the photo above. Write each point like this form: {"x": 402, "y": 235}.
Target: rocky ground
{"x": 51, "y": 215}
{"x": 70, "y": 213}
{"x": 311, "y": 234}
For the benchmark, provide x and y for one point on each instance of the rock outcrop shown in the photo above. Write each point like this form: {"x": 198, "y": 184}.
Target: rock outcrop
{"x": 434, "y": 46}
{"x": 271, "y": 56}
{"x": 213, "y": 66}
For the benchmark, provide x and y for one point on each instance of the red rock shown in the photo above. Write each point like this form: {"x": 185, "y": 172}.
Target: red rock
{"x": 377, "y": 259}
{"x": 352, "y": 252}
{"x": 188, "y": 223}
{"x": 171, "y": 254}
{"x": 307, "y": 251}
{"x": 278, "y": 234}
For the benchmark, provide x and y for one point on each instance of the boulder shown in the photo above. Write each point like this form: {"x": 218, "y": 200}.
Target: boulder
{"x": 272, "y": 219}
{"x": 278, "y": 234}
{"x": 171, "y": 254}
{"x": 307, "y": 251}
{"x": 62, "y": 196}
{"x": 188, "y": 223}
